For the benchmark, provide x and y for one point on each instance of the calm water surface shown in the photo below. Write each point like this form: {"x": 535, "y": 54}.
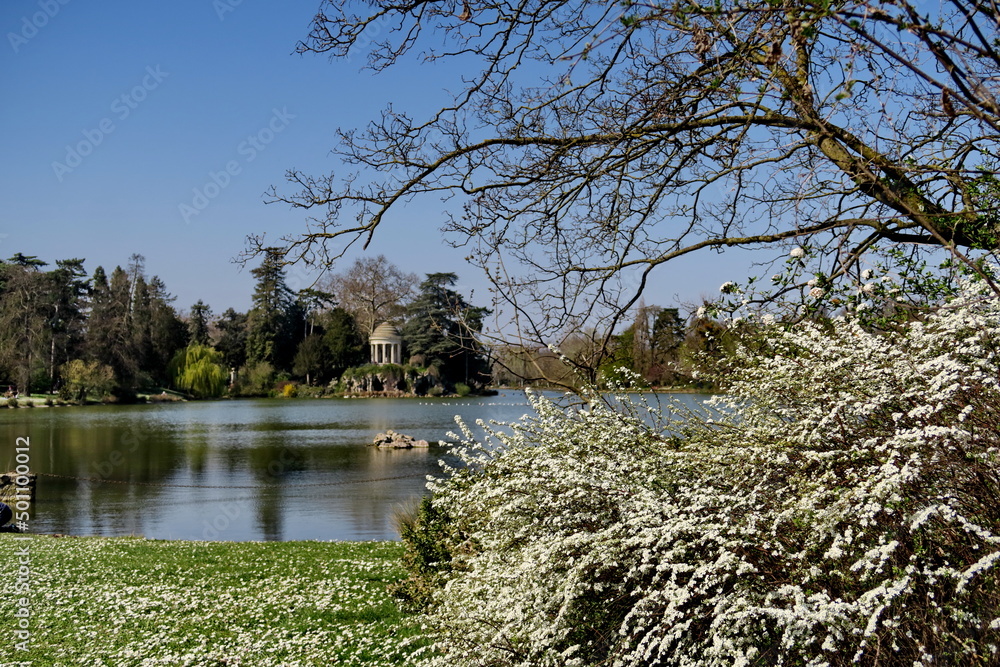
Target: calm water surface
{"x": 237, "y": 470}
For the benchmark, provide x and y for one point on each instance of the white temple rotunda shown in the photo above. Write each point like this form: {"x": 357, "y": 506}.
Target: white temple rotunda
{"x": 386, "y": 345}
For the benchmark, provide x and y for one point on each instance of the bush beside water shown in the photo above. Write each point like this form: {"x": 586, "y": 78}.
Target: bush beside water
{"x": 843, "y": 508}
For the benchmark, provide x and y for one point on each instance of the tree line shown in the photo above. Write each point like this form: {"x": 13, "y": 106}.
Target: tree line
{"x": 659, "y": 348}
{"x": 119, "y": 336}
{"x": 63, "y": 330}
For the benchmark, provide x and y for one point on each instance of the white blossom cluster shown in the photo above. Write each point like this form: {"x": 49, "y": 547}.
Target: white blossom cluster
{"x": 840, "y": 506}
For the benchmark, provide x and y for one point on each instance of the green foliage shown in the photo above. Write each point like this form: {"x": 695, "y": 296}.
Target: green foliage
{"x": 273, "y": 324}
{"x": 981, "y": 228}
{"x": 381, "y": 378}
{"x": 344, "y": 342}
{"x": 429, "y": 538}
{"x": 109, "y": 339}
{"x": 82, "y": 378}
{"x": 666, "y": 339}
{"x": 198, "y": 370}
{"x": 442, "y": 329}
{"x": 307, "y": 391}
{"x": 132, "y": 327}
{"x": 44, "y": 323}
{"x": 895, "y": 286}
{"x": 66, "y": 301}
{"x": 165, "y": 331}
{"x": 311, "y": 359}
{"x": 198, "y": 323}
{"x": 358, "y": 372}
{"x": 620, "y": 356}
{"x": 656, "y": 349}
{"x": 232, "y": 342}
{"x": 41, "y": 320}
{"x": 256, "y": 379}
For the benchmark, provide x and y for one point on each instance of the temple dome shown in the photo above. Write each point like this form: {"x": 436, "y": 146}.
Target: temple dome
{"x": 385, "y": 333}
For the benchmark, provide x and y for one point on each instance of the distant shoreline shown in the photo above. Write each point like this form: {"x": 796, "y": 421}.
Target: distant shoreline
{"x": 46, "y": 401}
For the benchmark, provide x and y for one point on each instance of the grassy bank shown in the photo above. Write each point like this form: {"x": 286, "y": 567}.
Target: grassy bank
{"x": 128, "y": 601}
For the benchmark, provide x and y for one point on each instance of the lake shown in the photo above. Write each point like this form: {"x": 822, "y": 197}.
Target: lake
{"x": 237, "y": 470}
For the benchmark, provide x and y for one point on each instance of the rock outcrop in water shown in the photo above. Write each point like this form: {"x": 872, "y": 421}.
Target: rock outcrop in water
{"x": 391, "y": 380}
{"x": 393, "y": 440}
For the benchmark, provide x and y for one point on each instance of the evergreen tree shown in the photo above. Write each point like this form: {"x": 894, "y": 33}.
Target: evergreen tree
{"x": 344, "y": 342}
{"x": 49, "y": 318}
{"x": 96, "y": 334}
{"x": 232, "y": 342}
{"x": 311, "y": 303}
{"x": 27, "y": 261}
{"x": 140, "y": 325}
{"x": 312, "y": 360}
{"x": 167, "y": 332}
{"x": 133, "y": 328}
{"x": 272, "y": 323}
{"x": 101, "y": 322}
{"x": 66, "y": 300}
{"x": 110, "y": 340}
{"x": 99, "y": 336}
{"x": 667, "y": 338}
{"x": 441, "y": 328}
{"x": 198, "y": 323}
{"x": 624, "y": 351}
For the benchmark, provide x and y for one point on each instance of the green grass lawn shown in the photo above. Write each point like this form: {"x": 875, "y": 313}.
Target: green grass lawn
{"x": 128, "y": 601}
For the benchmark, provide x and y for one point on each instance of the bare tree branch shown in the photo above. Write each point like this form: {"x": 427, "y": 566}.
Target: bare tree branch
{"x": 599, "y": 140}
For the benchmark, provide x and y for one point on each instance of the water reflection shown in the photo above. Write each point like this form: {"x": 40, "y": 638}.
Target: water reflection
{"x": 236, "y": 470}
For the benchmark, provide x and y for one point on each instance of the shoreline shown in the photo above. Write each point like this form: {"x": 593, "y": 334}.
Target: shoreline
{"x": 60, "y": 536}
{"x": 33, "y": 402}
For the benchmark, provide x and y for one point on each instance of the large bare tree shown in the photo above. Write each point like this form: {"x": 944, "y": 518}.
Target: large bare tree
{"x": 373, "y": 290}
{"x": 593, "y": 141}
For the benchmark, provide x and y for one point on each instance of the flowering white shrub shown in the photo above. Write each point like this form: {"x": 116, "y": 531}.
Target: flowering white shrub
{"x": 842, "y": 508}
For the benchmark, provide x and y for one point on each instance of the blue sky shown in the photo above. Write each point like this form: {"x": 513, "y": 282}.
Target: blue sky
{"x": 155, "y": 128}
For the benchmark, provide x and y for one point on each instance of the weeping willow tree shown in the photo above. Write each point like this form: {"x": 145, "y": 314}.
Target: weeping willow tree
{"x": 198, "y": 369}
